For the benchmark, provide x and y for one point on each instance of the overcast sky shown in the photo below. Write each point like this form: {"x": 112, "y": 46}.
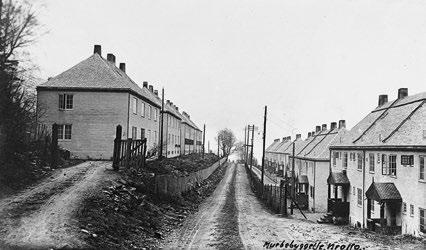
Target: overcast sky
{"x": 310, "y": 62}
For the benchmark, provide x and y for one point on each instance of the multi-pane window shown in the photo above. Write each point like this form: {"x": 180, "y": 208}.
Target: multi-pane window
{"x": 335, "y": 155}
{"x": 407, "y": 160}
{"x": 66, "y": 101}
{"x": 385, "y": 169}
{"x": 392, "y": 165}
{"x": 404, "y": 207}
{"x": 142, "y": 133}
{"x": 134, "y": 105}
{"x": 422, "y": 220}
{"x": 155, "y": 114}
{"x": 359, "y": 161}
{"x": 64, "y": 132}
{"x": 359, "y": 196}
{"x": 353, "y": 190}
{"x": 411, "y": 210}
{"x": 345, "y": 160}
{"x": 155, "y": 136}
{"x": 149, "y": 136}
{"x": 372, "y": 206}
{"x": 371, "y": 162}
{"x": 149, "y": 111}
{"x": 134, "y": 133}
{"x": 143, "y": 109}
{"x": 422, "y": 167}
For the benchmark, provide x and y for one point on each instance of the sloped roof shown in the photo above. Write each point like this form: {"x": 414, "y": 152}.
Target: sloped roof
{"x": 96, "y": 73}
{"x": 171, "y": 110}
{"x": 399, "y": 122}
{"x": 298, "y": 145}
{"x": 383, "y": 192}
{"x": 271, "y": 147}
{"x": 319, "y": 148}
{"x": 283, "y": 146}
{"x": 188, "y": 121}
{"x": 338, "y": 178}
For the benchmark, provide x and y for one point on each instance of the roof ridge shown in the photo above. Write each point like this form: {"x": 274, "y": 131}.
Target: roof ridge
{"x": 319, "y": 142}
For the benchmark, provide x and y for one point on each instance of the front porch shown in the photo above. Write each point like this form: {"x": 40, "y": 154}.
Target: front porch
{"x": 389, "y": 198}
{"x": 302, "y": 186}
{"x": 338, "y": 206}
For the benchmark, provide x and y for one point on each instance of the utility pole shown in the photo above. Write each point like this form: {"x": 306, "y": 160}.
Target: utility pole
{"x": 263, "y": 149}
{"x": 160, "y": 155}
{"x": 292, "y": 180}
{"x": 245, "y": 145}
{"x": 251, "y": 155}
{"x": 208, "y": 147}
{"x": 204, "y": 139}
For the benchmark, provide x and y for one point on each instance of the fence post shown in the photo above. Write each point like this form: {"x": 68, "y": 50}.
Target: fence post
{"x": 54, "y": 146}
{"x": 128, "y": 153}
{"x": 145, "y": 142}
{"x": 117, "y": 148}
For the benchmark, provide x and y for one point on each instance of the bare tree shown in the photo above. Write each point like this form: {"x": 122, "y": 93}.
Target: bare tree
{"x": 226, "y": 139}
{"x": 18, "y": 26}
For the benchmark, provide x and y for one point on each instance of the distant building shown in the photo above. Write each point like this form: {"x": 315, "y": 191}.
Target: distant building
{"x": 91, "y": 98}
{"x": 383, "y": 157}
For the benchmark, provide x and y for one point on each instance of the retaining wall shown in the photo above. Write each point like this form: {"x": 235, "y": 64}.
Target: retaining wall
{"x": 169, "y": 184}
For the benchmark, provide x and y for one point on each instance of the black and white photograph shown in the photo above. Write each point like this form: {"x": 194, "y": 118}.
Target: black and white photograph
{"x": 195, "y": 124}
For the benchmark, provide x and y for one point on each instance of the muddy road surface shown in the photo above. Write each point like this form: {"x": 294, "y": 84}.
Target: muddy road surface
{"x": 41, "y": 216}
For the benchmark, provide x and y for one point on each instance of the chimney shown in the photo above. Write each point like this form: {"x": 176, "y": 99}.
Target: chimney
{"x": 171, "y": 104}
{"x": 309, "y": 134}
{"x": 111, "y": 58}
{"x": 277, "y": 140}
{"x": 123, "y": 67}
{"x": 317, "y": 129}
{"x": 289, "y": 138}
{"x": 383, "y": 99}
{"x": 177, "y": 108}
{"x": 312, "y": 133}
{"x": 402, "y": 92}
{"x": 342, "y": 124}
{"x": 298, "y": 136}
{"x": 151, "y": 88}
{"x": 145, "y": 84}
{"x": 97, "y": 49}
{"x": 156, "y": 92}
{"x": 333, "y": 125}
{"x": 324, "y": 127}
{"x": 168, "y": 102}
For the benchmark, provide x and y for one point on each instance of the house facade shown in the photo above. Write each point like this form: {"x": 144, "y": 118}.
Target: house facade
{"x": 91, "y": 98}
{"x": 383, "y": 157}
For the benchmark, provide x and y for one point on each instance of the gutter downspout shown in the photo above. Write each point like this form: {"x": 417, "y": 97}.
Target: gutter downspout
{"x": 363, "y": 189}
{"x": 128, "y": 114}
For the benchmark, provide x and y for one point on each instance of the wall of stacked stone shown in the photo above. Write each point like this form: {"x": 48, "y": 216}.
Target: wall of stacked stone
{"x": 173, "y": 185}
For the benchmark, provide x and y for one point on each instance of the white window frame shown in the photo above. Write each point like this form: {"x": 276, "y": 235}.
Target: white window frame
{"x": 142, "y": 108}
{"x": 62, "y": 132}
{"x": 422, "y": 219}
{"x": 359, "y": 196}
{"x": 134, "y": 133}
{"x": 134, "y": 105}
{"x": 345, "y": 160}
{"x": 422, "y": 161}
{"x": 64, "y": 100}
{"x": 411, "y": 210}
{"x": 390, "y": 165}
{"x": 371, "y": 163}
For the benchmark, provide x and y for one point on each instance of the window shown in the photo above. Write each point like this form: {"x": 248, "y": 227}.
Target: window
{"x": 359, "y": 196}
{"x": 385, "y": 169}
{"x": 372, "y": 206}
{"x": 340, "y": 155}
{"x": 134, "y": 133}
{"x": 353, "y": 190}
{"x": 345, "y": 160}
{"x": 371, "y": 162}
{"x": 378, "y": 158}
{"x": 142, "y": 109}
{"x": 359, "y": 161}
{"x": 407, "y": 160}
{"x": 64, "y": 132}
{"x": 392, "y": 165}
{"x": 422, "y": 220}
{"x": 422, "y": 167}
{"x": 65, "y": 101}
{"x": 155, "y": 136}
{"x": 404, "y": 208}
{"x": 411, "y": 210}
{"x": 149, "y": 111}
{"x": 142, "y": 133}
{"x": 155, "y": 114}
{"x": 134, "y": 105}
{"x": 335, "y": 155}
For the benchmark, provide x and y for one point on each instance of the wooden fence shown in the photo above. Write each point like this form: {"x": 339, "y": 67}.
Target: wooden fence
{"x": 128, "y": 153}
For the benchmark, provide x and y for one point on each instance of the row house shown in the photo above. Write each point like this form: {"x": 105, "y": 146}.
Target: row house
{"x": 312, "y": 165}
{"x": 172, "y": 123}
{"x": 270, "y": 152}
{"x": 91, "y": 98}
{"x": 191, "y": 136}
{"x": 379, "y": 167}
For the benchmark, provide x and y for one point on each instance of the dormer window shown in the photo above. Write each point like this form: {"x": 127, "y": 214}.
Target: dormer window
{"x": 66, "y": 101}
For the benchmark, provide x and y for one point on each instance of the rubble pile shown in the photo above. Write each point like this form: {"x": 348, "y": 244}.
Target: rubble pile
{"x": 127, "y": 214}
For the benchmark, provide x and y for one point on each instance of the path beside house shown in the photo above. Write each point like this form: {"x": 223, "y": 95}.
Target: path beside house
{"x": 42, "y": 216}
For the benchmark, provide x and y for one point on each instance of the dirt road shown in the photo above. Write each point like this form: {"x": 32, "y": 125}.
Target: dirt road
{"x": 248, "y": 224}
{"x": 42, "y": 216}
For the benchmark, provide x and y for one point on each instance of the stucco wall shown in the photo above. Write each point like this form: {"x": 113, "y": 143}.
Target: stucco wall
{"x": 92, "y": 137}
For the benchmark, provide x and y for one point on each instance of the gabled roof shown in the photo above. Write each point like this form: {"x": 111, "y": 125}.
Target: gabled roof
{"x": 383, "y": 192}
{"x": 98, "y": 74}
{"x": 338, "y": 178}
{"x": 171, "y": 110}
{"x": 318, "y": 146}
{"x": 188, "y": 121}
{"x": 398, "y": 123}
{"x": 283, "y": 146}
{"x": 298, "y": 145}
{"x": 272, "y": 147}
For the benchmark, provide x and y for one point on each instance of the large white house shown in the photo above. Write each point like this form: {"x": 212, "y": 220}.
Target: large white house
{"x": 91, "y": 98}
